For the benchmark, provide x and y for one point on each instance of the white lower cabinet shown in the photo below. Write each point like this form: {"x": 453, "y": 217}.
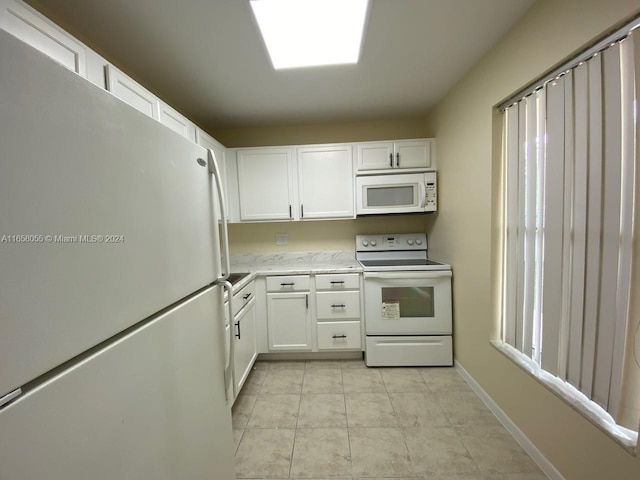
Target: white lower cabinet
{"x": 288, "y": 313}
{"x": 339, "y": 336}
{"x": 338, "y": 305}
{"x": 289, "y": 322}
{"x": 244, "y": 325}
{"x": 338, "y": 312}
{"x": 242, "y": 331}
{"x": 313, "y": 313}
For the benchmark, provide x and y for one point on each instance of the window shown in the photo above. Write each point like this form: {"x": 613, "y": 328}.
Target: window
{"x": 571, "y": 222}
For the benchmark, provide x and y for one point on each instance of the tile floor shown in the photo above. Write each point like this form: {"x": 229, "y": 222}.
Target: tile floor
{"x": 342, "y": 420}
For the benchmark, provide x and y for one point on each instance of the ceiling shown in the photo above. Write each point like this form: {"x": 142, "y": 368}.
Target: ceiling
{"x": 206, "y": 58}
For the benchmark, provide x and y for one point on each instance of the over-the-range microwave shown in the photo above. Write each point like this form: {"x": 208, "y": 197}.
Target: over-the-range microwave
{"x": 396, "y": 193}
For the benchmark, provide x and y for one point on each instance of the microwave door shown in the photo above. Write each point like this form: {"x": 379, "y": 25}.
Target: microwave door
{"x": 376, "y": 198}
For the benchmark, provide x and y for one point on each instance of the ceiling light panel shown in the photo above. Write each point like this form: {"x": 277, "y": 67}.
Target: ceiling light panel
{"x": 305, "y": 33}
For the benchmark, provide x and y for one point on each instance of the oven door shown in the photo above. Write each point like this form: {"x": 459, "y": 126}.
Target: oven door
{"x": 408, "y": 303}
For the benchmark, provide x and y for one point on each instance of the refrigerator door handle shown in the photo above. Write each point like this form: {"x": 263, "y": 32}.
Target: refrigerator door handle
{"x": 228, "y": 362}
{"x": 4, "y": 400}
{"x": 215, "y": 171}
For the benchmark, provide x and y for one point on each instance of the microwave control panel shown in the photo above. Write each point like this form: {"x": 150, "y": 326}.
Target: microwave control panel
{"x": 431, "y": 195}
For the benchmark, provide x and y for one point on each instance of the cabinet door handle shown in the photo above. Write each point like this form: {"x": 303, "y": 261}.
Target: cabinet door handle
{"x": 290, "y": 214}
{"x": 397, "y": 159}
{"x": 237, "y": 324}
{"x": 289, "y": 284}
{"x": 333, "y": 282}
{"x": 306, "y": 301}
{"x": 391, "y": 159}
{"x": 244, "y": 297}
{"x": 339, "y": 336}
{"x": 338, "y": 305}
{"x": 301, "y": 211}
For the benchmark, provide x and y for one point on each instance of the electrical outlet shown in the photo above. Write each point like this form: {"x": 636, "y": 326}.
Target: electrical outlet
{"x": 282, "y": 239}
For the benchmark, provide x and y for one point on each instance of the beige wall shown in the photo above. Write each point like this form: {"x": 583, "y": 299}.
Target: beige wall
{"x": 322, "y": 235}
{"x": 468, "y": 141}
{"x": 325, "y": 133}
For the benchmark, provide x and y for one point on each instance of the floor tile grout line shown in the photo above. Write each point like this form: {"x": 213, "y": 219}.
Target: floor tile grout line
{"x": 293, "y": 449}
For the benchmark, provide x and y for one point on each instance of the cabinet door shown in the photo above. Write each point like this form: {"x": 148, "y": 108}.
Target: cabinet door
{"x": 244, "y": 325}
{"x": 177, "y": 122}
{"x": 375, "y": 155}
{"x": 264, "y": 183}
{"x": 325, "y": 182}
{"x": 31, "y": 27}
{"x": 413, "y": 154}
{"x": 289, "y": 322}
{"x": 129, "y": 91}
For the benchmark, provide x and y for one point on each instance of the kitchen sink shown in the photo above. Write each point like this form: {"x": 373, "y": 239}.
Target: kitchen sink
{"x": 237, "y": 277}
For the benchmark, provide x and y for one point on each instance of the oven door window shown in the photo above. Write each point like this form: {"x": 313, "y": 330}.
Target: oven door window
{"x": 396, "y": 196}
{"x": 407, "y": 302}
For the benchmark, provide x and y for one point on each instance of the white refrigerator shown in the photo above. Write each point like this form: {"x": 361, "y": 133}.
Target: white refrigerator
{"x": 112, "y": 358}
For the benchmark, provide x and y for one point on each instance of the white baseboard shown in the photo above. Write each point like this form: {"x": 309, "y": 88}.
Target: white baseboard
{"x": 545, "y": 465}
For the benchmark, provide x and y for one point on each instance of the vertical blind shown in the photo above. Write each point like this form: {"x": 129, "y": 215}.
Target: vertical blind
{"x": 569, "y": 197}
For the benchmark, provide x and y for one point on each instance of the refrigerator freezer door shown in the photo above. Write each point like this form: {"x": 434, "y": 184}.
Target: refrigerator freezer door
{"x": 150, "y": 406}
{"x": 106, "y": 215}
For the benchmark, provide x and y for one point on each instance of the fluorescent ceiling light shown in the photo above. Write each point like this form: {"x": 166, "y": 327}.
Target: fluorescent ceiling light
{"x": 304, "y": 33}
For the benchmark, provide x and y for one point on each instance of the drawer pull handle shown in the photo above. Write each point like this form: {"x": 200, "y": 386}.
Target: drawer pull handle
{"x": 342, "y": 305}
{"x": 337, "y": 281}
{"x": 291, "y": 284}
{"x": 244, "y": 297}
{"x": 237, "y": 324}
{"x": 339, "y": 336}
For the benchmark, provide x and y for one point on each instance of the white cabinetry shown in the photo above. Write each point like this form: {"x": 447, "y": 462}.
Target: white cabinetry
{"x": 288, "y": 314}
{"x": 338, "y": 312}
{"x": 31, "y": 27}
{"x": 131, "y": 92}
{"x": 399, "y": 154}
{"x": 177, "y": 122}
{"x": 325, "y": 181}
{"x": 265, "y": 178}
{"x": 244, "y": 325}
{"x": 295, "y": 183}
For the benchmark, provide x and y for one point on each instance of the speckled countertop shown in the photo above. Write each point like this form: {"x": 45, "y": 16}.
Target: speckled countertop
{"x": 293, "y": 263}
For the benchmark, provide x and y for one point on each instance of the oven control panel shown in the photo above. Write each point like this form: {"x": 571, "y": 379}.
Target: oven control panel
{"x": 391, "y": 242}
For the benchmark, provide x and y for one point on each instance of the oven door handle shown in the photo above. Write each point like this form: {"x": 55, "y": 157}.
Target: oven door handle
{"x": 409, "y": 275}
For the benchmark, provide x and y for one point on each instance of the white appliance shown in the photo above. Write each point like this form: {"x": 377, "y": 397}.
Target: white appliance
{"x": 112, "y": 359}
{"x": 407, "y": 299}
{"x": 396, "y": 193}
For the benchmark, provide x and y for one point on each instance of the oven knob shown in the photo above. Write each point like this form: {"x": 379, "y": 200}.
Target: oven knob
{"x": 410, "y": 242}
{"x": 418, "y": 241}
{"x": 365, "y": 243}
{"x": 373, "y": 243}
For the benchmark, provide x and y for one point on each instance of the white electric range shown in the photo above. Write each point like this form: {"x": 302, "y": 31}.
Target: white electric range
{"x": 407, "y": 298}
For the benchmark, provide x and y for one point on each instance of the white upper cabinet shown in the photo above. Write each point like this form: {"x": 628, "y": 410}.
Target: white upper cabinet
{"x": 131, "y": 92}
{"x": 399, "y": 154}
{"x": 31, "y": 27}
{"x": 325, "y": 181}
{"x": 177, "y": 122}
{"x": 265, "y": 178}
{"x": 375, "y": 155}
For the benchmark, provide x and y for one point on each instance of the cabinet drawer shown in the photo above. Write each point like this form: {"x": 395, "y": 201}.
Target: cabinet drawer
{"x": 336, "y": 305}
{"x": 338, "y": 281}
{"x": 339, "y": 335}
{"x": 244, "y": 296}
{"x": 288, "y": 283}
